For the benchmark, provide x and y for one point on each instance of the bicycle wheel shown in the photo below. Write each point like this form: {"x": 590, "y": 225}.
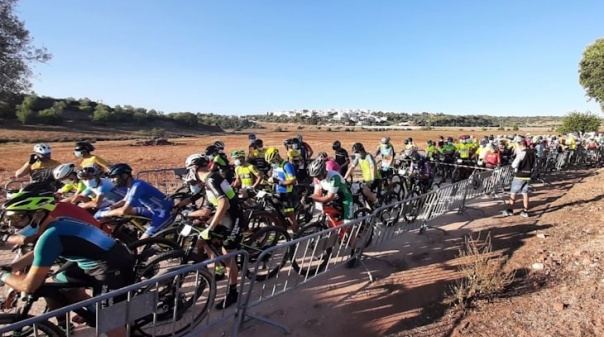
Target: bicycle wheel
{"x": 310, "y": 257}
{"x": 366, "y": 226}
{"x": 456, "y": 175}
{"x": 397, "y": 187}
{"x": 182, "y": 242}
{"x": 389, "y": 216}
{"x": 183, "y": 301}
{"x": 411, "y": 208}
{"x": 261, "y": 240}
{"x": 39, "y": 329}
{"x": 149, "y": 247}
{"x": 261, "y": 219}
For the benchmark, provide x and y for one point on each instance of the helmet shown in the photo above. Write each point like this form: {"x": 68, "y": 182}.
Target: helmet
{"x": 84, "y": 146}
{"x": 63, "y": 170}
{"x": 385, "y": 140}
{"x": 430, "y": 142}
{"x": 89, "y": 171}
{"x": 237, "y": 154}
{"x": 118, "y": 169}
{"x": 357, "y": 147}
{"x": 258, "y": 143}
{"x": 293, "y": 154}
{"x": 219, "y": 145}
{"x": 316, "y": 168}
{"x": 410, "y": 140}
{"x": 271, "y": 154}
{"x": 336, "y": 145}
{"x": 322, "y": 155}
{"x": 196, "y": 159}
{"x": 31, "y": 202}
{"x": 42, "y": 149}
{"x": 190, "y": 177}
{"x": 449, "y": 139}
{"x": 251, "y": 136}
{"x": 211, "y": 150}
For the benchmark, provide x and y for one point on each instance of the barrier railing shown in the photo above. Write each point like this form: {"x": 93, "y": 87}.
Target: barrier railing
{"x": 176, "y": 303}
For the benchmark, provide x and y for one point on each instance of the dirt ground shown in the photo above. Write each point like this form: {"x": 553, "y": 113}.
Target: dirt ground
{"x": 408, "y": 298}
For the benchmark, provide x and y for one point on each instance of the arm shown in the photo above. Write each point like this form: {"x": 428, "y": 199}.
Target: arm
{"x": 94, "y": 203}
{"x": 350, "y": 170}
{"x": 29, "y": 282}
{"x": 290, "y": 175}
{"x": 23, "y": 262}
{"x": 23, "y": 171}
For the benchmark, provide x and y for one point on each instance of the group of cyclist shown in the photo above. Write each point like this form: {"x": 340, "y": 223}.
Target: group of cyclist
{"x": 54, "y": 220}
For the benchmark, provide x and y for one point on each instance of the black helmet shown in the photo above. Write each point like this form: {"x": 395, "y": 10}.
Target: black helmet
{"x": 258, "y": 143}
{"x": 84, "y": 146}
{"x": 118, "y": 169}
{"x": 211, "y": 150}
{"x": 87, "y": 172}
{"x": 357, "y": 147}
{"x": 336, "y": 145}
{"x": 430, "y": 142}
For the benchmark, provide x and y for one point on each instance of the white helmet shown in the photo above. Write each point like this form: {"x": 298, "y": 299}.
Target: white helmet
{"x": 63, "y": 170}
{"x": 42, "y": 149}
{"x": 385, "y": 140}
{"x": 196, "y": 159}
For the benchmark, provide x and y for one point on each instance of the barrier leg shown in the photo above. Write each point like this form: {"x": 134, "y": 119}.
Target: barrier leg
{"x": 268, "y": 321}
{"x": 463, "y": 208}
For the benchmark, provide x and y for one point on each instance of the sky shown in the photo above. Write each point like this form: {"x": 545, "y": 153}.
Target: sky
{"x": 504, "y": 58}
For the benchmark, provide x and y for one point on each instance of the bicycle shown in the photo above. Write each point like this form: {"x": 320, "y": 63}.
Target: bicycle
{"x": 388, "y": 216}
{"x": 318, "y": 250}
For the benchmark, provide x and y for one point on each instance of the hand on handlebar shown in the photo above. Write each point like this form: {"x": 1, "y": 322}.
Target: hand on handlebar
{"x": 205, "y": 234}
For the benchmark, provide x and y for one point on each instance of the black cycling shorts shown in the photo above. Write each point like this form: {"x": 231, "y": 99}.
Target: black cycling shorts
{"x": 288, "y": 201}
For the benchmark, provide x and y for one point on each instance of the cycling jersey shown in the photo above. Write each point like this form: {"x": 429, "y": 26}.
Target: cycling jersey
{"x": 368, "y": 167}
{"x": 94, "y": 161}
{"x": 284, "y": 171}
{"x": 245, "y": 172}
{"x": 154, "y": 205}
{"x": 103, "y": 263}
{"x": 448, "y": 149}
{"x": 430, "y": 150}
{"x": 256, "y": 158}
{"x": 40, "y": 165}
{"x": 464, "y": 151}
{"x": 341, "y": 156}
{"x": 67, "y": 209}
{"x": 73, "y": 187}
{"x": 386, "y": 151}
{"x": 217, "y": 188}
{"x": 334, "y": 183}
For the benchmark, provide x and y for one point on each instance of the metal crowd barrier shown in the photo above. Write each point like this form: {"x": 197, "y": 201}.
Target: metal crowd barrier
{"x": 166, "y": 180}
{"x": 146, "y": 309}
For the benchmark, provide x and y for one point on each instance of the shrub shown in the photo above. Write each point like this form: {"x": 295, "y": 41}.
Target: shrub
{"x": 483, "y": 274}
{"x": 329, "y": 129}
{"x": 501, "y": 128}
{"x": 300, "y": 127}
{"x": 515, "y": 127}
{"x": 483, "y": 129}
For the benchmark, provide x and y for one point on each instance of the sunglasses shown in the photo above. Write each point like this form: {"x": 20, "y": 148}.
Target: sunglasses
{"x": 16, "y": 217}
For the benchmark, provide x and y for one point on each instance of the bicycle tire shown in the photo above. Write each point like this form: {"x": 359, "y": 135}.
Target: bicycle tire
{"x": 48, "y": 328}
{"x": 151, "y": 246}
{"x": 411, "y": 209}
{"x": 262, "y": 238}
{"x": 166, "y": 300}
{"x": 456, "y": 175}
{"x": 367, "y": 225}
{"x": 262, "y": 219}
{"x": 182, "y": 242}
{"x": 321, "y": 259}
{"x": 390, "y": 215}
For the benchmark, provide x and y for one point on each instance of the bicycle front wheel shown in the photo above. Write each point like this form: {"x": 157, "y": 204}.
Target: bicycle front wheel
{"x": 310, "y": 257}
{"x": 265, "y": 265}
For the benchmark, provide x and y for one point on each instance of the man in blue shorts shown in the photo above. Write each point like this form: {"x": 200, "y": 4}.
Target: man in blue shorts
{"x": 153, "y": 203}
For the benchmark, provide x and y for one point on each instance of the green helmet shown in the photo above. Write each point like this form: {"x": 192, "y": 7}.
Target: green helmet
{"x": 238, "y": 154}
{"x": 28, "y": 201}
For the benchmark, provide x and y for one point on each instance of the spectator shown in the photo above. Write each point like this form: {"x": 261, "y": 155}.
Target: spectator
{"x": 523, "y": 165}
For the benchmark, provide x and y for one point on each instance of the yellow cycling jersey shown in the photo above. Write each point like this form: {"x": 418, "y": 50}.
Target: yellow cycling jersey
{"x": 73, "y": 187}
{"x": 96, "y": 161}
{"x": 464, "y": 151}
{"x": 51, "y": 163}
{"x": 246, "y": 173}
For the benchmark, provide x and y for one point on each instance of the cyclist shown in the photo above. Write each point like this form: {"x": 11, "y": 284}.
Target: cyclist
{"x": 256, "y": 157}
{"x": 330, "y": 163}
{"x": 94, "y": 259}
{"x": 141, "y": 199}
{"x": 386, "y": 151}
{"x": 307, "y": 150}
{"x": 341, "y": 156}
{"x": 371, "y": 175}
{"x": 222, "y": 202}
{"x": 430, "y": 149}
{"x": 283, "y": 178}
{"x": 83, "y": 150}
{"x": 38, "y": 162}
{"x": 220, "y": 160}
{"x": 67, "y": 174}
{"x": 298, "y": 155}
{"x": 247, "y": 176}
{"x": 100, "y": 191}
{"x": 335, "y": 186}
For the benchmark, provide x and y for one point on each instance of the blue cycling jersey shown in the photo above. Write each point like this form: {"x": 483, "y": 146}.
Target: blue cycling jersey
{"x": 285, "y": 171}
{"x": 143, "y": 193}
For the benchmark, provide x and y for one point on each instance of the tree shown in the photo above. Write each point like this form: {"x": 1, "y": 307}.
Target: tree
{"x": 591, "y": 71}
{"x": 580, "y": 122}
{"x": 17, "y": 51}
{"x": 101, "y": 114}
{"x": 25, "y": 111}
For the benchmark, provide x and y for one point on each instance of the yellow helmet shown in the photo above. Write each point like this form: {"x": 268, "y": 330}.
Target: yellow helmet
{"x": 271, "y": 154}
